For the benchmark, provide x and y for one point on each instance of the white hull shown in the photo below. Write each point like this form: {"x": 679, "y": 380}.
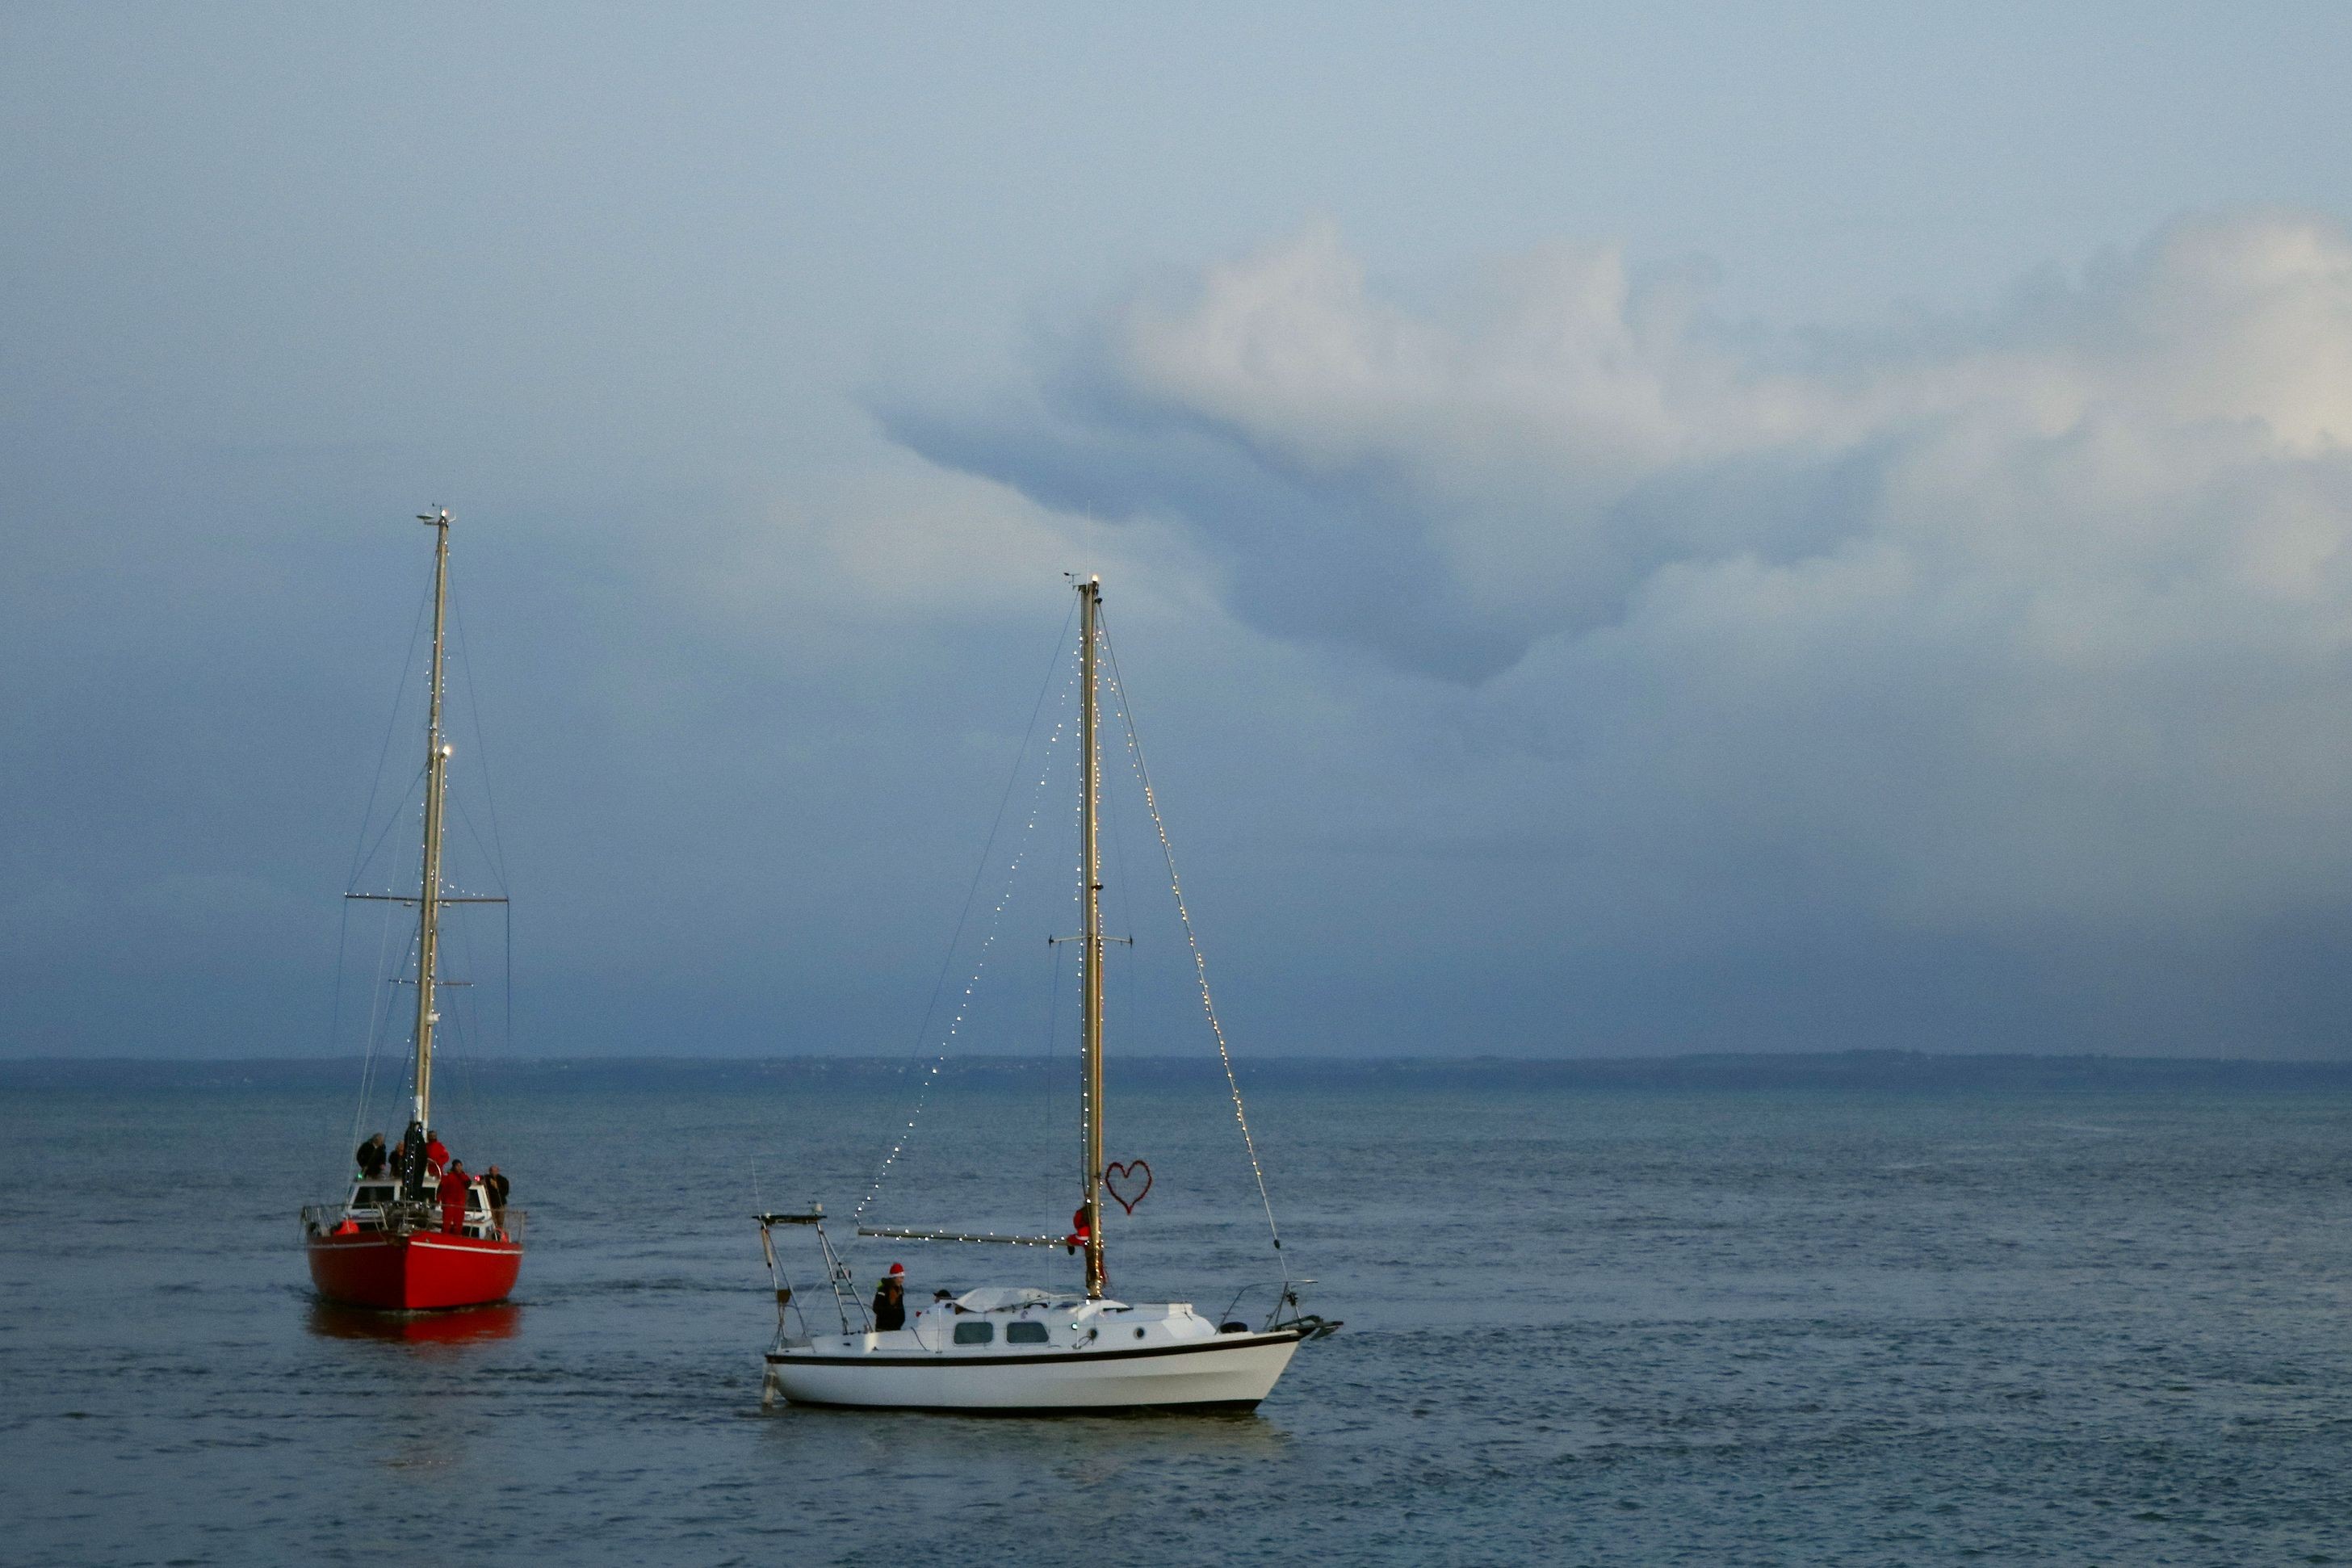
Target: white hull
{"x": 1230, "y": 1371}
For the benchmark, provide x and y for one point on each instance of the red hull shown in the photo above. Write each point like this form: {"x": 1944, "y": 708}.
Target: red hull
{"x": 418, "y": 1272}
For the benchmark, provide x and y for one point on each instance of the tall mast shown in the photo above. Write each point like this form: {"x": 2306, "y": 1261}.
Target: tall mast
{"x": 1090, "y": 1026}
{"x": 436, "y": 779}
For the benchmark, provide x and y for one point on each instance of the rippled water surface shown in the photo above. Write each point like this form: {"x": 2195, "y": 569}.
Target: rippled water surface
{"x": 1610, "y": 1327}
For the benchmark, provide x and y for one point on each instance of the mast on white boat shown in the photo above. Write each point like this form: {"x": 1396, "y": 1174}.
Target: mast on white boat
{"x": 1090, "y": 1041}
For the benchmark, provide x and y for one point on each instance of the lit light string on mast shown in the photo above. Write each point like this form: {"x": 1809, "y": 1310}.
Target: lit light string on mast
{"x": 964, "y": 1004}
{"x": 1078, "y": 920}
{"x": 1199, "y": 962}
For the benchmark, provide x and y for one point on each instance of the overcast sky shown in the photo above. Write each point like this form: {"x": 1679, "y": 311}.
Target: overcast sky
{"x": 1630, "y": 530}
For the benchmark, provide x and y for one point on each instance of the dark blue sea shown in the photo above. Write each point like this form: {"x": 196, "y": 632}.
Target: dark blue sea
{"x": 1879, "y": 1311}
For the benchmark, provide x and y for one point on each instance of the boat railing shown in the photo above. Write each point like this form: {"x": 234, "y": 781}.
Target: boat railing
{"x": 838, "y": 1272}
{"x": 405, "y": 1218}
{"x": 1275, "y": 1301}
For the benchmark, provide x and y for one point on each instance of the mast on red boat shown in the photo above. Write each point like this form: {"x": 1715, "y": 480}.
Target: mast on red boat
{"x": 436, "y": 783}
{"x": 389, "y": 1246}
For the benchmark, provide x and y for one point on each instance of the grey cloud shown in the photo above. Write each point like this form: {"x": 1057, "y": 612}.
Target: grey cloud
{"x": 1459, "y": 487}
{"x": 1314, "y": 554}
{"x": 2041, "y": 616}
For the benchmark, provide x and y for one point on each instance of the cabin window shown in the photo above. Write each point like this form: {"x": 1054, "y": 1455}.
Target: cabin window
{"x": 974, "y": 1333}
{"x": 374, "y": 1194}
{"x": 1024, "y": 1334}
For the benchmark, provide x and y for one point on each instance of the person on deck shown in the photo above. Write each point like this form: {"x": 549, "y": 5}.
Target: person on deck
{"x": 371, "y": 1157}
{"x": 436, "y": 1154}
{"x": 454, "y": 1183}
{"x": 497, "y": 1186}
{"x": 412, "y": 1164}
{"x": 890, "y": 1301}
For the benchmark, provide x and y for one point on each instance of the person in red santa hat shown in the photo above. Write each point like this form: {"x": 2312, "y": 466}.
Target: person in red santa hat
{"x": 890, "y": 1301}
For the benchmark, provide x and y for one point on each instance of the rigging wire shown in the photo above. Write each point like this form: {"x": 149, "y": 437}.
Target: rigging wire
{"x": 381, "y": 988}
{"x": 335, "y": 1019}
{"x": 963, "y": 1005}
{"x": 1115, "y": 887}
{"x": 391, "y": 724}
{"x": 361, "y": 853}
{"x": 497, "y": 846}
{"x": 368, "y": 858}
{"x": 497, "y": 853}
{"x": 1052, "y": 1035}
{"x": 467, "y": 818}
{"x": 467, "y": 1044}
{"x": 506, "y": 912}
{"x": 494, "y": 852}
{"x": 1119, "y": 985}
{"x": 1199, "y": 962}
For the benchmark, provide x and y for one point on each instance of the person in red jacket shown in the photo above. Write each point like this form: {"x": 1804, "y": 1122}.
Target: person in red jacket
{"x": 437, "y": 1155}
{"x": 454, "y": 1183}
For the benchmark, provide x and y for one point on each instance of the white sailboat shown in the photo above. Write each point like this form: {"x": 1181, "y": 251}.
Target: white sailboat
{"x": 1038, "y": 1349}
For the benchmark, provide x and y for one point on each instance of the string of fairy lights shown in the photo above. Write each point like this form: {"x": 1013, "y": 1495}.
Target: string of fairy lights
{"x": 1078, "y": 870}
{"x": 979, "y": 964}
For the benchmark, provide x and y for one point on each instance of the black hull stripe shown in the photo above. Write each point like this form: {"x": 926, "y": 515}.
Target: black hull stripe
{"x": 1043, "y": 1358}
{"x": 1201, "y": 1407}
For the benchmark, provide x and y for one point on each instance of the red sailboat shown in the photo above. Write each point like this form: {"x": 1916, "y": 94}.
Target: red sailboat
{"x": 417, "y": 1231}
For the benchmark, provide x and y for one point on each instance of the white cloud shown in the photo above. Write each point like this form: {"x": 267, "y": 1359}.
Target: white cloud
{"x": 2045, "y": 614}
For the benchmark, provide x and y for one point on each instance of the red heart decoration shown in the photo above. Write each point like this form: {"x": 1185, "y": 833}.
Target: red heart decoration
{"x": 1118, "y": 1168}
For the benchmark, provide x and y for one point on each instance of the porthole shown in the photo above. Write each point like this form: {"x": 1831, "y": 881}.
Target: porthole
{"x": 1025, "y": 1335}
{"x": 974, "y": 1333}
{"x": 1139, "y": 1334}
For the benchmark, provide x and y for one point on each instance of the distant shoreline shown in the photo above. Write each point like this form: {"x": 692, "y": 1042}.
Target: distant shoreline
{"x": 1865, "y": 1071}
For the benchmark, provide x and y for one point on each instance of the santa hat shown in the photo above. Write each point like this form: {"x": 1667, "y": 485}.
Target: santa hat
{"x": 897, "y": 1274}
